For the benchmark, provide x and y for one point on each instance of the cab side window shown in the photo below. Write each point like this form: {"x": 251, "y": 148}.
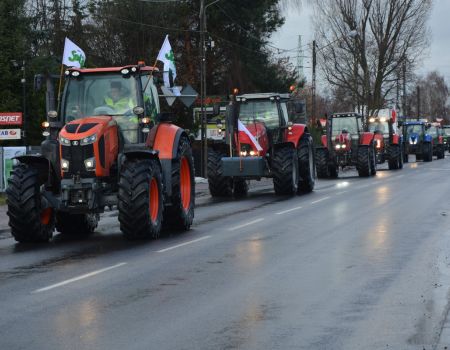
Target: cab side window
{"x": 151, "y": 104}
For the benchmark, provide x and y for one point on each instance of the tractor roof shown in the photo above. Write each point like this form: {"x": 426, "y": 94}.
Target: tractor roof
{"x": 263, "y": 96}
{"x": 114, "y": 69}
{"x": 417, "y": 122}
{"x": 346, "y": 115}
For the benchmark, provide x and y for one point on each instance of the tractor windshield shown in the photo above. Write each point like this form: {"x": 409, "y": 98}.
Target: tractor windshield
{"x": 263, "y": 111}
{"x": 414, "y": 129}
{"x": 446, "y": 131}
{"x": 378, "y": 126}
{"x": 346, "y": 124}
{"x": 99, "y": 94}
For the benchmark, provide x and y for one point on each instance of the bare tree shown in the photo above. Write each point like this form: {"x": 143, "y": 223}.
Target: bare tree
{"x": 389, "y": 32}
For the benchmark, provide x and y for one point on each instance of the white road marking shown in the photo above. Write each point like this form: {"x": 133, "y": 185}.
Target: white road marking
{"x": 288, "y": 211}
{"x": 246, "y": 224}
{"x": 183, "y": 244}
{"x": 320, "y": 200}
{"x": 342, "y": 192}
{"x": 75, "y": 279}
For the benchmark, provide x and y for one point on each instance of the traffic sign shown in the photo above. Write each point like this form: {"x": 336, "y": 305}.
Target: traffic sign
{"x": 188, "y": 95}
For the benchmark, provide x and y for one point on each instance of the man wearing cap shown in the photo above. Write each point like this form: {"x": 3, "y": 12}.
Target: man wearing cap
{"x": 118, "y": 98}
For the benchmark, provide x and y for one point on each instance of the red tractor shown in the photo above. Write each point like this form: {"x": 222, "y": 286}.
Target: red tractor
{"x": 261, "y": 142}
{"x": 388, "y": 141}
{"x": 346, "y": 144}
{"x": 104, "y": 149}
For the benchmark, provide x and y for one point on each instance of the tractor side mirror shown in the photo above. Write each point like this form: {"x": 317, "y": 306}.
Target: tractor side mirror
{"x": 216, "y": 109}
{"x": 299, "y": 107}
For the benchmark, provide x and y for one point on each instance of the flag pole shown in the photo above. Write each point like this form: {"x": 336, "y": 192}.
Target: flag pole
{"x": 59, "y": 87}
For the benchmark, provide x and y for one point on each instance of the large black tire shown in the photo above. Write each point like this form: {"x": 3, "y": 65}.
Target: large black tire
{"x": 140, "y": 199}
{"x": 401, "y": 157}
{"x": 373, "y": 160}
{"x": 441, "y": 152}
{"x": 306, "y": 165}
{"x": 180, "y": 214}
{"x": 29, "y": 218}
{"x": 427, "y": 152}
{"x": 363, "y": 159}
{"x": 285, "y": 171}
{"x": 240, "y": 187}
{"x": 322, "y": 163}
{"x": 219, "y": 185}
{"x": 405, "y": 156}
{"x": 79, "y": 225}
{"x": 393, "y": 153}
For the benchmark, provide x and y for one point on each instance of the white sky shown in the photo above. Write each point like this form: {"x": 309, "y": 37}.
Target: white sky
{"x": 298, "y": 22}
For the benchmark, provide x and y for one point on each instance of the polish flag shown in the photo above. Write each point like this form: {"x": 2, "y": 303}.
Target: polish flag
{"x": 242, "y": 127}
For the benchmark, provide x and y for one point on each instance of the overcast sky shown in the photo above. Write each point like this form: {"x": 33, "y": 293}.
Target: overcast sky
{"x": 298, "y": 22}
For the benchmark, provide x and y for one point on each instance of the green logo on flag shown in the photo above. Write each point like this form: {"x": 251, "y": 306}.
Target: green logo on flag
{"x": 77, "y": 58}
{"x": 170, "y": 56}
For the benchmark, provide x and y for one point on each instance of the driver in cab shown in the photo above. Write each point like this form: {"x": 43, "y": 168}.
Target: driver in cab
{"x": 118, "y": 98}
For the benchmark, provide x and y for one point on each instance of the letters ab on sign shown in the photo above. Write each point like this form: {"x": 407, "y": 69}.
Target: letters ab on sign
{"x": 10, "y": 134}
{"x": 11, "y": 118}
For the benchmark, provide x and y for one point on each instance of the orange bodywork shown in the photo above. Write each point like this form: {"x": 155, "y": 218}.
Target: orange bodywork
{"x": 165, "y": 140}
{"x": 104, "y": 127}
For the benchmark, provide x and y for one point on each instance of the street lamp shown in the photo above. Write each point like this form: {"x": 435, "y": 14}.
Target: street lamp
{"x": 204, "y": 151}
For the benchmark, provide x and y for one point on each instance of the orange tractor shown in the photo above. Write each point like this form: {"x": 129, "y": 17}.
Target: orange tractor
{"x": 109, "y": 145}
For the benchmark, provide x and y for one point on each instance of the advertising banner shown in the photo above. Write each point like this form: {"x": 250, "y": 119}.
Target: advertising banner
{"x": 11, "y": 118}
{"x": 10, "y": 134}
{"x": 8, "y": 154}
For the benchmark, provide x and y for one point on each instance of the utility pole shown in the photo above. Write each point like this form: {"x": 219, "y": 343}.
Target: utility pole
{"x": 313, "y": 88}
{"x": 24, "y": 105}
{"x": 404, "y": 89}
{"x": 301, "y": 74}
{"x": 204, "y": 147}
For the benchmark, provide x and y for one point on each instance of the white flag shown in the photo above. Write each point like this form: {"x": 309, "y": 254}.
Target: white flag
{"x": 166, "y": 56}
{"x": 73, "y": 56}
{"x": 242, "y": 127}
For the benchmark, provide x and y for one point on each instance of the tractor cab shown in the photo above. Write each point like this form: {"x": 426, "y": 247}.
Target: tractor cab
{"x": 263, "y": 115}
{"x": 344, "y": 131}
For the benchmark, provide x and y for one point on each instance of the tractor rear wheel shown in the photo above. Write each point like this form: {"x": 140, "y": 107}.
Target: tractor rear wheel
{"x": 180, "y": 214}
{"x": 29, "y": 218}
{"x": 322, "y": 163}
{"x": 363, "y": 161}
{"x": 427, "y": 152}
{"x": 441, "y": 152}
{"x": 140, "y": 199}
{"x": 219, "y": 185}
{"x": 240, "y": 187}
{"x": 393, "y": 152}
{"x": 401, "y": 157}
{"x": 373, "y": 160}
{"x": 285, "y": 171}
{"x": 306, "y": 165}
{"x": 80, "y": 225}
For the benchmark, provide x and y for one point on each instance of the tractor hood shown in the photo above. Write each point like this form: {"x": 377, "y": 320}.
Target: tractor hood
{"x": 87, "y": 127}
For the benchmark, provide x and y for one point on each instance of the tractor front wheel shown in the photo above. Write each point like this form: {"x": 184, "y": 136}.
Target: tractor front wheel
{"x": 306, "y": 165}
{"x": 427, "y": 152}
{"x": 322, "y": 163}
{"x": 30, "y": 219}
{"x": 79, "y": 225}
{"x": 363, "y": 161}
{"x": 394, "y": 157}
{"x": 180, "y": 213}
{"x": 285, "y": 171}
{"x": 373, "y": 160}
{"x": 140, "y": 199}
{"x": 219, "y": 185}
{"x": 240, "y": 187}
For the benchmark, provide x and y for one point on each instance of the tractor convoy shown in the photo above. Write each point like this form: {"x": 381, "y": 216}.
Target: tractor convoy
{"x": 108, "y": 145}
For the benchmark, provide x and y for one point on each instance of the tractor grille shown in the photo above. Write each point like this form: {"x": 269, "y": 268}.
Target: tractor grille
{"x": 76, "y": 155}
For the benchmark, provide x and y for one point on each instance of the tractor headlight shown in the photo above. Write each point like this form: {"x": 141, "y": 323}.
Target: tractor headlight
{"x": 88, "y": 140}
{"x": 338, "y": 146}
{"x": 89, "y": 164}
{"x": 64, "y": 141}
{"x": 64, "y": 165}
{"x": 343, "y": 146}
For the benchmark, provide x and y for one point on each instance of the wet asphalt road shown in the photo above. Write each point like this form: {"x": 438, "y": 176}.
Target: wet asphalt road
{"x": 358, "y": 264}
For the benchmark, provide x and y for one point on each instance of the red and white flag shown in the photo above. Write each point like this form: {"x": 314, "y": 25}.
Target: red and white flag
{"x": 242, "y": 127}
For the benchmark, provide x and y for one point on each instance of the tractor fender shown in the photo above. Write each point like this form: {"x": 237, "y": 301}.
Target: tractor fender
{"x": 295, "y": 133}
{"x": 366, "y": 138}
{"x": 396, "y": 140}
{"x": 48, "y": 175}
{"x": 324, "y": 141}
{"x": 428, "y": 138}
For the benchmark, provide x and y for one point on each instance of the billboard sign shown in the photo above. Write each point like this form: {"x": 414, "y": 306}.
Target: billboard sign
{"x": 10, "y": 134}
{"x": 11, "y": 118}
